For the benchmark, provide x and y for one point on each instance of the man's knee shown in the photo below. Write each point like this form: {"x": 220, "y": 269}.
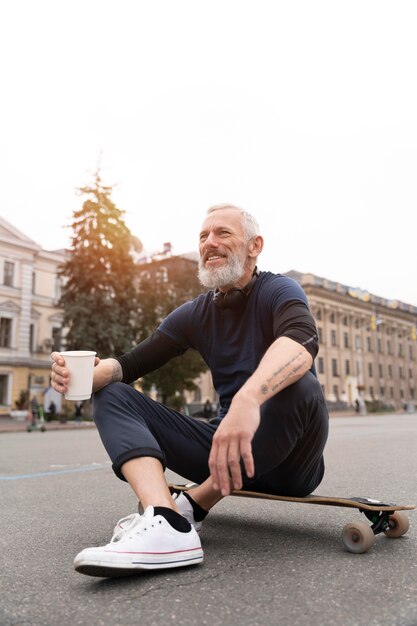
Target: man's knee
{"x": 303, "y": 389}
{"x": 297, "y": 398}
{"x": 109, "y": 398}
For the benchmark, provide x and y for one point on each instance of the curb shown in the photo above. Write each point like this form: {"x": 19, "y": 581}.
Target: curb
{"x": 22, "y": 427}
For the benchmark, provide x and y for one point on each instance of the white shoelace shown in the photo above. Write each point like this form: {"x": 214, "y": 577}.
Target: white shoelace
{"x": 133, "y": 524}
{"x": 124, "y": 525}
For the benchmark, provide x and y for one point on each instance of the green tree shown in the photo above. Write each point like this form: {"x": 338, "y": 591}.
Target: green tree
{"x": 166, "y": 287}
{"x": 99, "y": 297}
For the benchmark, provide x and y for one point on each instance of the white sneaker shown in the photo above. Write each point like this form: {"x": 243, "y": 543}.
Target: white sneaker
{"x": 143, "y": 542}
{"x": 184, "y": 507}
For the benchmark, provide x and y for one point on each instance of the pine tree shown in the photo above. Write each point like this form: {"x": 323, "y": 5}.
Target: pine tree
{"x": 99, "y": 297}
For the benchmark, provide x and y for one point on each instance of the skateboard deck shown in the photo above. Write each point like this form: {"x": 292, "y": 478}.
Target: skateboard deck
{"x": 359, "y": 536}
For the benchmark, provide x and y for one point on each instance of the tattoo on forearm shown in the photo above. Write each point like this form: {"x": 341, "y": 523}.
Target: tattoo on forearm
{"x": 283, "y": 380}
{"x": 117, "y": 373}
{"x": 294, "y": 370}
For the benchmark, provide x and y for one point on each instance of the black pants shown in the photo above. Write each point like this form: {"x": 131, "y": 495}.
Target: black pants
{"x": 287, "y": 447}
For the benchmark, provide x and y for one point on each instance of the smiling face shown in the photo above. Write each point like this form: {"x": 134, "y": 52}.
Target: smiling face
{"x": 227, "y": 258}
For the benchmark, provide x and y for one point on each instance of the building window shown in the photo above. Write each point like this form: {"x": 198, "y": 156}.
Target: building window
{"x": 412, "y": 393}
{"x": 402, "y": 394}
{"x": 58, "y": 288}
{"x": 381, "y": 370}
{"x": 368, "y": 344}
{"x": 389, "y": 348}
{"x": 370, "y": 372}
{"x": 400, "y": 349}
{"x": 321, "y": 365}
{"x": 33, "y": 282}
{"x": 347, "y": 368}
{"x": 8, "y": 273}
{"x": 5, "y": 332}
{"x": 410, "y": 373}
{"x": 31, "y": 336}
{"x": 332, "y": 318}
{"x": 333, "y": 338}
{"x": 345, "y": 321}
{"x": 401, "y": 372}
{"x": 391, "y": 392}
{"x": 320, "y": 334}
{"x": 334, "y": 367}
{"x": 56, "y": 339}
{"x": 345, "y": 340}
{"x": 357, "y": 342}
{"x": 3, "y": 389}
{"x": 371, "y": 392}
{"x": 389, "y": 371}
{"x": 162, "y": 275}
{"x": 382, "y": 391}
{"x": 379, "y": 345}
{"x": 336, "y": 392}
{"x": 318, "y": 314}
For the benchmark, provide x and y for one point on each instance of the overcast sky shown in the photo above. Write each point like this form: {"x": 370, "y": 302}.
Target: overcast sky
{"x": 302, "y": 112}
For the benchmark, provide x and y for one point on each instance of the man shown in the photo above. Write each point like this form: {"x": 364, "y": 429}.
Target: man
{"x": 256, "y": 334}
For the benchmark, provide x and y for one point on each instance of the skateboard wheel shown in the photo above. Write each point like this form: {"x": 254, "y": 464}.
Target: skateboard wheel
{"x": 399, "y": 524}
{"x": 358, "y": 537}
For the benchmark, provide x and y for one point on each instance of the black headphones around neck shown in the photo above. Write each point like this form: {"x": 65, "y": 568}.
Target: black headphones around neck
{"x": 234, "y": 298}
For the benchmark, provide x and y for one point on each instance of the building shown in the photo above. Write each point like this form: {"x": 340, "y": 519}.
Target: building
{"x": 368, "y": 347}
{"x": 30, "y": 321}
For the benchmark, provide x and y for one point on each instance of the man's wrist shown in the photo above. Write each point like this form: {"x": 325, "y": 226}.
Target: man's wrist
{"x": 246, "y": 397}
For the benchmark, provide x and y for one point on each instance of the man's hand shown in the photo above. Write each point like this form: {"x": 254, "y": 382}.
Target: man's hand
{"x": 59, "y": 373}
{"x": 105, "y": 371}
{"x": 233, "y": 442}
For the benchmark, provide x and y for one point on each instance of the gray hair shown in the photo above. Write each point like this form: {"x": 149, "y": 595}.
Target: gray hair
{"x": 250, "y": 225}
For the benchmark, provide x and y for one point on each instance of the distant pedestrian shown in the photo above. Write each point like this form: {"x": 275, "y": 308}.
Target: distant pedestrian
{"x": 78, "y": 411}
{"x": 207, "y": 410}
{"x": 35, "y": 409}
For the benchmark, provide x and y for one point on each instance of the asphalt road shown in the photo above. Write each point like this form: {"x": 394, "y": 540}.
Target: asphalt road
{"x": 266, "y": 563}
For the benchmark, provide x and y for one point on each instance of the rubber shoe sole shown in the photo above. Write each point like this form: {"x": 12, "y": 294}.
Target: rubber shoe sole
{"x": 95, "y": 563}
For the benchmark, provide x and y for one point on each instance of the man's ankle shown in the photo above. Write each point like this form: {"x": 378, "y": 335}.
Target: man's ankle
{"x": 199, "y": 513}
{"x": 174, "y": 519}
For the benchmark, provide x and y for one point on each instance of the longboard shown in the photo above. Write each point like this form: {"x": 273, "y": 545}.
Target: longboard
{"x": 359, "y": 536}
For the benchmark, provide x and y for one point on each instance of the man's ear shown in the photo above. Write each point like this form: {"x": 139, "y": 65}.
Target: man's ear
{"x": 256, "y": 246}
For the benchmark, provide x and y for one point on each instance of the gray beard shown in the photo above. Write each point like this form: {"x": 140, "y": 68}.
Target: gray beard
{"x": 222, "y": 276}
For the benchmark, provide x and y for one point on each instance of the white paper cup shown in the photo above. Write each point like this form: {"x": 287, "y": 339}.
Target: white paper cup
{"x": 80, "y": 364}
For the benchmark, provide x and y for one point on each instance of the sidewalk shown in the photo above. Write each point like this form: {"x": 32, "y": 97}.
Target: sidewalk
{"x": 9, "y": 425}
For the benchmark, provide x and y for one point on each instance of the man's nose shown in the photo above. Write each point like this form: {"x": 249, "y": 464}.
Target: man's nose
{"x": 211, "y": 241}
